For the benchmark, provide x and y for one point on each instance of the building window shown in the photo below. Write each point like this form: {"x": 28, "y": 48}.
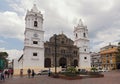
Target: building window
{"x": 84, "y": 35}
{"x": 107, "y": 56}
{"x": 35, "y": 23}
{"x": 76, "y": 35}
{"x": 108, "y": 61}
{"x": 47, "y": 50}
{"x": 85, "y": 58}
{"x": 47, "y": 62}
{"x": 63, "y": 51}
{"x": 62, "y": 42}
{"x": 75, "y": 53}
{"x": 84, "y": 49}
{"x": 35, "y": 42}
{"x": 34, "y": 54}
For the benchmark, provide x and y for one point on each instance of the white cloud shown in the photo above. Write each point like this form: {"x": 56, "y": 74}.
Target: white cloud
{"x": 102, "y": 18}
{"x": 11, "y": 25}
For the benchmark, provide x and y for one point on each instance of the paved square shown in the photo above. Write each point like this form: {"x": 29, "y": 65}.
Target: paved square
{"x": 112, "y": 77}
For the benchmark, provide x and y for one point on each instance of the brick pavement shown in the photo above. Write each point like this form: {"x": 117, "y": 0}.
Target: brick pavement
{"x": 110, "y": 78}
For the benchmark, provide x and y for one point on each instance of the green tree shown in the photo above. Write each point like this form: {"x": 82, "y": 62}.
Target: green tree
{"x": 71, "y": 71}
{"x": 3, "y": 55}
{"x": 94, "y": 69}
{"x": 3, "y": 60}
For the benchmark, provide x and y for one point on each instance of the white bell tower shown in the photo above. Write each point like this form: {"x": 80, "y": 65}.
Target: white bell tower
{"x": 81, "y": 40}
{"x": 33, "y": 53}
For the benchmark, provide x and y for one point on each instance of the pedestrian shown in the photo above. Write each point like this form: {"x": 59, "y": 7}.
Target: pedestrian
{"x": 33, "y": 73}
{"x": 29, "y": 72}
{"x": 6, "y": 72}
{"x": 11, "y": 71}
{"x": 49, "y": 72}
{"x": 21, "y": 72}
{"x": 2, "y": 76}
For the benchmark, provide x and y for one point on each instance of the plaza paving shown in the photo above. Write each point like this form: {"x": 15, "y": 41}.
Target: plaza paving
{"x": 112, "y": 77}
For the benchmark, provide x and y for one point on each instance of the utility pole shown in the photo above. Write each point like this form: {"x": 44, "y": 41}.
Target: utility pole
{"x": 55, "y": 55}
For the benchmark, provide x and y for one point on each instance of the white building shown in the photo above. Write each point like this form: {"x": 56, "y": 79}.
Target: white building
{"x": 96, "y": 60}
{"x": 33, "y": 52}
{"x": 81, "y": 40}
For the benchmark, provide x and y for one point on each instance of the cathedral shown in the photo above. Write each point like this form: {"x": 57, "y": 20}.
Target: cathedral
{"x": 38, "y": 55}
{"x": 66, "y": 52}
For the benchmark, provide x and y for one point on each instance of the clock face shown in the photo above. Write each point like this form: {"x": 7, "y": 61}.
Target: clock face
{"x": 35, "y": 35}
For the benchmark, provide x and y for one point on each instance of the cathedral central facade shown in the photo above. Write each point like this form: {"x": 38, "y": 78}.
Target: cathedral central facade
{"x": 67, "y": 54}
{"x": 38, "y": 55}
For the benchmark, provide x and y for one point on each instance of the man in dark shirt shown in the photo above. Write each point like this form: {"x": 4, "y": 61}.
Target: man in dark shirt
{"x": 29, "y": 72}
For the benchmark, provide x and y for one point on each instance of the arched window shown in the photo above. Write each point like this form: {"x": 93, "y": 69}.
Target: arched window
{"x": 76, "y": 35}
{"x": 84, "y": 34}
{"x": 75, "y": 63}
{"x": 35, "y": 23}
{"x": 47, "y": 62}
{"x": 63, "y": 62}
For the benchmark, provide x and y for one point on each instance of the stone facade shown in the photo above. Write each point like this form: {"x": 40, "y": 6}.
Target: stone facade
{"x": 67, "y": 52}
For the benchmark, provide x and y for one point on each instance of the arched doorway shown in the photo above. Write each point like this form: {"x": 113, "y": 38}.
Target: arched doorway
{"x": 75, "y": 63}
{"x": 63, "y": 62}
{"x": 47, "y": 62}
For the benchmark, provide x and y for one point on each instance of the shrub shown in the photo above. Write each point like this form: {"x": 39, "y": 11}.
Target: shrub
{"x": 94, "y": 69}
{"x": 71, "y": 71}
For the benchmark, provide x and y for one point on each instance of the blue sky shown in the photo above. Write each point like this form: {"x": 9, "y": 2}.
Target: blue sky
{"x": 11, "y": 43}
{"x": 102, "y": 18}
{"x": 4, "y": 5}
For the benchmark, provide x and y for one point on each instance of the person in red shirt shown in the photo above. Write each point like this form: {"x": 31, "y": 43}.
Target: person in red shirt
{"x": 11, "y": 72}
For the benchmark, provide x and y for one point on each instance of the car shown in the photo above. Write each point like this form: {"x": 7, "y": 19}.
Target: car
{"x": 82, "y": 70}
{"x": 103, "y": 70}
{"x": 43, "y": 72}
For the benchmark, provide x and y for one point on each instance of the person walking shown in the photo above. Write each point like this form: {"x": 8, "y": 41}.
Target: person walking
{"x": 29, "y": 72}
{"x": 21, "y": 72}
{"x": 2, "y": 76}
{"x": 33, "y": 73}
{"x": 11, "y": 71}
{"x": 49, "y": 72}
{"x": 6, "y": 73}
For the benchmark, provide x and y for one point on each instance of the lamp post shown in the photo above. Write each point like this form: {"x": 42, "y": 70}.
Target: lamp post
{"x": 55, "y": 55}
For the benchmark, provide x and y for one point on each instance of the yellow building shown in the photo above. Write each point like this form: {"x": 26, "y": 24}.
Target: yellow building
{"x": 108, "y": 57}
